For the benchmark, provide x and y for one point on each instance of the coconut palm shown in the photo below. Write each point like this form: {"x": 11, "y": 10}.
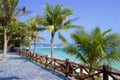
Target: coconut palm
{"x": 95, "y": 48}
{"x": 23, "y": 28}
{"x": 34, "y": 30}
{"x": 7, "y": 14}
{"x": 55, "y": 19}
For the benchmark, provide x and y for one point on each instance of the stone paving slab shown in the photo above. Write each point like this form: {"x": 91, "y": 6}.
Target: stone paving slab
{"x": 19, "y": 68}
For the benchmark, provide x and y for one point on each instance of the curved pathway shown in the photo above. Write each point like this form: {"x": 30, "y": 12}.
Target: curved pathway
{"x": 19, "y": 68}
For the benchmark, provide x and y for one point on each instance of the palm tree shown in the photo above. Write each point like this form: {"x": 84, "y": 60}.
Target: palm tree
{"x": 23, "y": 38}
{"x": 34, "y": 30}
{"x": 55, "y": 19}
{"x": 95, "y": 48}
{"x": 7, "y": 14}
{"x": 8, "y": 9}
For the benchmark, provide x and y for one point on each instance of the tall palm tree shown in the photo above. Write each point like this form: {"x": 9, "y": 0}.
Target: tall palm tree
{"x": 7, "y": 14}
{"x": 95, "y": 48}
{"x": 23, "y": 28}
{"x": 55, "y": 19}
{"x": 34, "y": 30}
{"x": 8, "y": 9}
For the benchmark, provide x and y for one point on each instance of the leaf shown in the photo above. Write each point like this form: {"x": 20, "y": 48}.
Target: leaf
{"x": 63, "y": 39}
{"x": 72, "y": 50}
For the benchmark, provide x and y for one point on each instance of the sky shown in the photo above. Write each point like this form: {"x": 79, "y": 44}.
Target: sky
{"x": 92, "y": 13}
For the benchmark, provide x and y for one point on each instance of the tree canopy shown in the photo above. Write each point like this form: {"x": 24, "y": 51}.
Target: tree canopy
{"x": 95, "y": 48}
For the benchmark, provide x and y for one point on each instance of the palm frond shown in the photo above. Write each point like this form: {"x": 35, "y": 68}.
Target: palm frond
{"x": 14, "y": 4}
{"x": 105, "y": 32}
{"x": 112, "y": 57}
{"x": 41, "y": 38}
{"x": 112, "y": 40}
{"x": 42, "y": 21}
{"x": 63, "y": 39}
{"x": 72, "y": 50}
{"x": 71, "y": 26}
{"x": 80, "y": 37}
{"x": 67, "y": 11}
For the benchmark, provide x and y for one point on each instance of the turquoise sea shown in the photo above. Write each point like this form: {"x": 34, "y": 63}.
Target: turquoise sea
{"x": 59, "y": 53}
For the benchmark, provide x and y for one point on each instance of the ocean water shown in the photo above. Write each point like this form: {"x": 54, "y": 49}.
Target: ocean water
{"x": 59, "y": 53}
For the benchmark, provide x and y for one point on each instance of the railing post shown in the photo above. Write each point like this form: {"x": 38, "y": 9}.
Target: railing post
{"x": 26, "y": 53}
{"x": 36, "y": 58}
{"x": 54, "y": 64}
{"x": 81, "y": 71}
{"x": 30, "y": 55}
{"x": 66, "y": 67}
{"x": 16, "y": 51}
{"x": 105, "y": 73}
{"x": 46, "y": 62}
{"x": 23, "y": 53}
{"x": 20, "y": 52}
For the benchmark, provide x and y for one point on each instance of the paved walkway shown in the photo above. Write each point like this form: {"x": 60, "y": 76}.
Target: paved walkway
{"x": 19, "y": 68}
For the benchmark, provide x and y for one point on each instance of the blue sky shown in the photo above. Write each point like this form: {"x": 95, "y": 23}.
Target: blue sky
{"x": 92, "y": 13}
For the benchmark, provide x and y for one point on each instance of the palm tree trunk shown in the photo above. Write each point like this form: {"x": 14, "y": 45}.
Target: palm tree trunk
{"x": 29, "y": 46}
{"x": 5, "y": 44}
{"x": 34, "y": 47}
{"x": 52, "y": 44}
{"x": 20, "y": 46}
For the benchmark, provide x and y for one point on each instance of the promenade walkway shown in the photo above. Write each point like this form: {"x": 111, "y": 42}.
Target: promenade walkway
{"x": 19, "y": 68}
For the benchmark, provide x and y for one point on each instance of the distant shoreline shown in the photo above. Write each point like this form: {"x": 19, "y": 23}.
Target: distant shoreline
{"x": 45, "y": 47}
